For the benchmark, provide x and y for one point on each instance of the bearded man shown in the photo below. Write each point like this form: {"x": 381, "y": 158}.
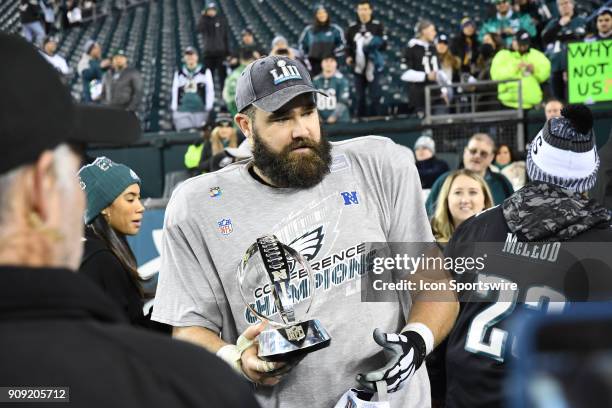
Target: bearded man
{"x": 324, "y": 200}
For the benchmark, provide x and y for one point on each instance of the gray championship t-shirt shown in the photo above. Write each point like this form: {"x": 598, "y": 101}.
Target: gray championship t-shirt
{"x": 373, "y": 194}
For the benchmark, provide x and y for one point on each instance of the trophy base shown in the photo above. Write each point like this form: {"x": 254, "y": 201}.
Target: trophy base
{"x": 291, "y": 342}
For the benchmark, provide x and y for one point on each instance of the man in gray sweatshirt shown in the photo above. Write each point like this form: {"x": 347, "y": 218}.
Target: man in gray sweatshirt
{"x": 324, "y": 200}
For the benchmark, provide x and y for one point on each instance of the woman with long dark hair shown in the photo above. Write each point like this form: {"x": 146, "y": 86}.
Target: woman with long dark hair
{"x": 113, "y": 211}
{"x": 320, "y": 39}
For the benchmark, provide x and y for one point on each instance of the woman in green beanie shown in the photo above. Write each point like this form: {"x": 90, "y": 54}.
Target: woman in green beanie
{"x": 113, "y": 211}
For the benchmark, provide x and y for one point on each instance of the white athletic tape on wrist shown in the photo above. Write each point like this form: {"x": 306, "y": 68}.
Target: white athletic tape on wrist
{"x": 243, "y": 343}
{"x": 424, "y": 332}
{"x": 231, "y": 355}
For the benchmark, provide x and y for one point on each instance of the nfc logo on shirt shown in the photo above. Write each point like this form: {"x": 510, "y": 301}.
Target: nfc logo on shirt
{"x": 287, "y": 72}
{"x": 350, "y": 198}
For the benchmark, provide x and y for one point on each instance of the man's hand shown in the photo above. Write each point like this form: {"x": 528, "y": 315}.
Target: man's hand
{"x": 349, "y": 61}
{"x": 406, "y": 353}
{"x": 242, "y": 356}
{"x": 255, "y": 369}
{"x": 526, "y": 67}
{"x": 432, "y": 75}
{"x": 332, "y": 119}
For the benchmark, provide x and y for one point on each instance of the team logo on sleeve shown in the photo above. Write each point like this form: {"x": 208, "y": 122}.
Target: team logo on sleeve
{"x": 215, "y": 192}
{"x": 225, "y": 226}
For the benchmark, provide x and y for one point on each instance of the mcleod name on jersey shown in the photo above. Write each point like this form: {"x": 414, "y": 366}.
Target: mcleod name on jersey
{"x": 548, "y": 278}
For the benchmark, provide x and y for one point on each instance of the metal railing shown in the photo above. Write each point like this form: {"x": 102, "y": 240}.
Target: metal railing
{"x": 470, "y": 102}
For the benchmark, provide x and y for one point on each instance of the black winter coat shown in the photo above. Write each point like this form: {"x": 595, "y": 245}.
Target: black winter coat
{"x": 101, "y": 266}
{"x": 58, "y": 329}
{"x": 460, "y": 48}
{"x": 430, "y": 169}
{"x": 214, "y": 33}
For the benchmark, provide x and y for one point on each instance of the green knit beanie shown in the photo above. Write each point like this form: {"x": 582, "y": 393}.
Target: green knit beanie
{"x": 103, "y": 181}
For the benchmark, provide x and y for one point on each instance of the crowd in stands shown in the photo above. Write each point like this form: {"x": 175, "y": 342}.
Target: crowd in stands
{"x": 500, "y": 168}
{"x": 45, "y": 17}
{"x": 521, "y": 40}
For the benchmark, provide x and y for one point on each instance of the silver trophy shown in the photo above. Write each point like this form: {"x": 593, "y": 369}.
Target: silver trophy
{"x": 271, "y": 267}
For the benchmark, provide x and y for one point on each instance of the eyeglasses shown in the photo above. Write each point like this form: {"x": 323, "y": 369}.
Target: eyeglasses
{"x": 482, "y": 153}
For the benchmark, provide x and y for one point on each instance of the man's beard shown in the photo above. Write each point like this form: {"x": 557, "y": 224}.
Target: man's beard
{"x": 293, "y": 170}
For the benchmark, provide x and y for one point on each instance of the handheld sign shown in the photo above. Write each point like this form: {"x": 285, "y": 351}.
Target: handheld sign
{"x": 589, "y": 70}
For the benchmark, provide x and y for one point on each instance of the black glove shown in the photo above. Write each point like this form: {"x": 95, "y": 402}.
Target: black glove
{"x": 406, "y": 352}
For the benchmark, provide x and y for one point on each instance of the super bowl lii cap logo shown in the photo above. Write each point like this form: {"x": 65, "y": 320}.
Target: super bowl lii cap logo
{"x": 287, "y": 72}
{"x": 225, "y": 226}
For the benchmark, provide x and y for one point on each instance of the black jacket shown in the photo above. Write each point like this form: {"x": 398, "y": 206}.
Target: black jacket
{"x": 59, "y": 329}
{"x": 420, "y": 58}
{"x": 373, "y": 26}
{"x": 214, "y": 33}
{"x": 467, "y": 53}
{"x": 602, "y": 191}
{"x": 477, "y": 372}
{"x": 29, "y": 11}
{"x": 101, "y": 266}
{"x": 430, "y": 169}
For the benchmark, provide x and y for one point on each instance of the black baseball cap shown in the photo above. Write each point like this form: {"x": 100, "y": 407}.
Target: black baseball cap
{"x": 271, "y": 82}
{"x": 223, "y": 118}
{"x": 190, "y": 50}
{"x": 37, "y": 112}
{"x": 442, "y": 38}
{"x": 522, "y": 37}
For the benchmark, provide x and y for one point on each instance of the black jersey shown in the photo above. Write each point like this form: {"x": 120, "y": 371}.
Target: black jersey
{"x": 481, "y": 345}
{"x": 374, "y": 27}
{"x": 420, "y": 58}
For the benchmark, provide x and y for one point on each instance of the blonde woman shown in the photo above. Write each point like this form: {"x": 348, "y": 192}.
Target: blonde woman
{"x": 463, "y": 194}
{"x": 224, "y": 134}
{"x": 198, "y": 155}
